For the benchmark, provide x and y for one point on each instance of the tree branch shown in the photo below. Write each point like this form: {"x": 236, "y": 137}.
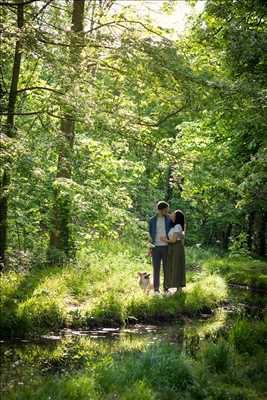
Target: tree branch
{"x": 144, "y": 26}
{"x": 26, "y": 113}
{"x": 39, "y": 88}
{"x": 172, "y": 114}
{"x": 68, "y": 45}
{"x": 62, "y": 116}
{"x": 42, "y": 9}
{"x": 8, "y": 3}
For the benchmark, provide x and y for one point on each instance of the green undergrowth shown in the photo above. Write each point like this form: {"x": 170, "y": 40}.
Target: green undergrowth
{"x": 241, "y": 270}
{"x": 220, "y": 369}
{"x": 101, "y": 289}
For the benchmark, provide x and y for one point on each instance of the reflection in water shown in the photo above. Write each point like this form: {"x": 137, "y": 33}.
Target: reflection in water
{"x": 70, "y": 350}
{"x": 24, "y": 362}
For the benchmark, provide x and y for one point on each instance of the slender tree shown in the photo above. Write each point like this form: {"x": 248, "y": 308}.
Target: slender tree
{"x": 10, "y": 130}
{"x": 60, "y": 238}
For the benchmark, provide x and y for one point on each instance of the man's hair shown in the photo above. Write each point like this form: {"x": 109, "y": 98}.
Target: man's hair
{"x": 162, "y": 204}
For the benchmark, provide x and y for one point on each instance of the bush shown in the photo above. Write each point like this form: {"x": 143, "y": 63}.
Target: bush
{"x": 239, "y": 246}
{"x": 140, "y": 390}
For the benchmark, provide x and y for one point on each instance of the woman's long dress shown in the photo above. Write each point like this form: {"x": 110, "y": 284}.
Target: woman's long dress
{"x": 176, "y": 264}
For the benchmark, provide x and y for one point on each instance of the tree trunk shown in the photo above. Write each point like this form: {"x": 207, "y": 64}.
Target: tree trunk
{"x": 169, "y": 189}
{"x": 263, "y": 235}
{"x": 259, "y": 234}
{"x": 261, "y": 243}
{"x": 226, "y": 236}
{"x": 60, "y": 243}
{"x": 251, "y": 218}
{"x": 10, "y": 132}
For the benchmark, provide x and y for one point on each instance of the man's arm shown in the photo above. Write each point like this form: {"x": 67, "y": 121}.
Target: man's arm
{"x": 150, "y": 229}
{"x": 149, "y": 252}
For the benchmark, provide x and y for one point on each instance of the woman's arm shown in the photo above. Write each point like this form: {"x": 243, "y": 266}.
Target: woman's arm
{"x": 180, "y": 235}
{"x": 172, "y": 239}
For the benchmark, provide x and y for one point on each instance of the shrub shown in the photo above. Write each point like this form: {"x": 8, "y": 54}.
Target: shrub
{"x": 239, "y": 246}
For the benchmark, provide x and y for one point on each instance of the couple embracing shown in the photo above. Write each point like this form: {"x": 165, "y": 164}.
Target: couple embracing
{"x": 167, "y": 231}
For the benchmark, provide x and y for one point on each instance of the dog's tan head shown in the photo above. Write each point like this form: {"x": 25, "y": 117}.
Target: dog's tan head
{"x": 143, "y": 276}
{"x": 145, "y": 282}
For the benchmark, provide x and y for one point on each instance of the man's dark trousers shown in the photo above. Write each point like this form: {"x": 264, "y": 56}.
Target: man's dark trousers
{"x": 159, "y": 253}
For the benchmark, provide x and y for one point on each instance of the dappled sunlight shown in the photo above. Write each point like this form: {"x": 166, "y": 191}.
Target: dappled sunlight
{"x": 133, "y": 200}
{"x": 152, "y": 361}
{"x": 239, "y": 270}
{"x": 211, "y": 327}
{"x": 104, "y": 291}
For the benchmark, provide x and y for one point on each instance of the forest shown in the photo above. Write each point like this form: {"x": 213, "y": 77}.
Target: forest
{"x": 106, "y": 110}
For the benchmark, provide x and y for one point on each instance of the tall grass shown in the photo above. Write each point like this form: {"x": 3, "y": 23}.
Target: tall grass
{"x": 241, "y": 270}
{"x": 217, "y": 357}
{"x": 100, "y": 289}
{"x": 247, "y": 337}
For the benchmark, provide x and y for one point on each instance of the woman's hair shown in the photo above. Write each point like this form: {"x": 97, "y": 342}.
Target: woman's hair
{"x": 179, "y": 218}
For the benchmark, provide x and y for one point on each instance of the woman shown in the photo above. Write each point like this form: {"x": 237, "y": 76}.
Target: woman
{"x": 176, "y": 253}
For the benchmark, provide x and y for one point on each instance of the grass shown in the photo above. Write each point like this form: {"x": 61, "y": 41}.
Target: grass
{"x": 101, "y": 289}
{"x": 134, "y": 369}
{"x": 219, "y": 359}
{"x": 241, "y": 270}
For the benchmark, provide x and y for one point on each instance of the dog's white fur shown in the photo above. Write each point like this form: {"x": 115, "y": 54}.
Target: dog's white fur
{"x": 144, "y": 282}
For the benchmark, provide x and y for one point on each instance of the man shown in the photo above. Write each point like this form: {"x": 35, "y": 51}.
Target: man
{"x": 159, "y": 226}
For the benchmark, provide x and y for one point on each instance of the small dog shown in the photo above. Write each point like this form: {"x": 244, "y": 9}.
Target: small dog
{"x": 144, "y": 282}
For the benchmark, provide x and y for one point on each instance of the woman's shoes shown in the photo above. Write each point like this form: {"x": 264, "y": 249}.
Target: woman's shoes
{"x": 168, "y": 292}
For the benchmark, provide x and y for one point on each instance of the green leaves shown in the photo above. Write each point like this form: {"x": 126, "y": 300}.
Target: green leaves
{"x": 140, "y": 104}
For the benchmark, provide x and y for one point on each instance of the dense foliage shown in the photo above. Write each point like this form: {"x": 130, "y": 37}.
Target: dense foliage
{"x": 103, "y": 114}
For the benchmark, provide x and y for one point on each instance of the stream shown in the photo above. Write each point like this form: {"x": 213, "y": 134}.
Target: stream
{"x": 70, "y": 350}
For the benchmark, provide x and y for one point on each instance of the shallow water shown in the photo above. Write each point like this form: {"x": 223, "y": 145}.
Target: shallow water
{"x": 70, "y": 350}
